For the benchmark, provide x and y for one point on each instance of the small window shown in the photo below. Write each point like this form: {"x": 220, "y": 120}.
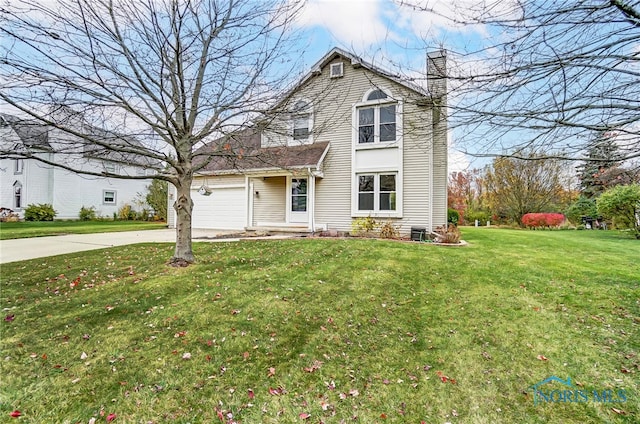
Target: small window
{"x": 365, "y": 192}
{"x": 18, "y": 166}
{"x": 109, "y": 197}
{"x": 377, "y": 95}
{"x": 17, "y": 195}
{"x": 301, "y": 121}
{"x": 336, "y": 70}
{"x": 110, "y": 167}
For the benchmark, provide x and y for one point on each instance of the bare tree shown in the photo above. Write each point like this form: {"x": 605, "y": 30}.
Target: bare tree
{"x": 169, "y": 73}
{"x": 543, "y": 76}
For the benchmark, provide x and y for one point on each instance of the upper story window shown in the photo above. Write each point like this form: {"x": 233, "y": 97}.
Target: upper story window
{"x": 377, "y": 118}
{"x": 18, "y": 166}
{"x": 301, "y": 121}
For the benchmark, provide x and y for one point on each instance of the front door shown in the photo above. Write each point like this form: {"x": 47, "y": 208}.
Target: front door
{"x": 299, "y": 200}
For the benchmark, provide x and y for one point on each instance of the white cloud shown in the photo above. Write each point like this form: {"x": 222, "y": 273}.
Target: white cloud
{"x": 354, "y": 23}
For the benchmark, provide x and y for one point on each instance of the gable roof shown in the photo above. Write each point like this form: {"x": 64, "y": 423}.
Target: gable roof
{"x": 358, "y": 62}
{"x": 241, "y": 152}
{"x": 32, "y": 134}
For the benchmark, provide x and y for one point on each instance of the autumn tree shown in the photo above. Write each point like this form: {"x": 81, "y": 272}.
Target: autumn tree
{"x": 622, "y": 204}
{"x": 464, "y": 191}
{"x": 171, "y": 74}
{"x": 543, "y": 75}
{"x": 519, "y": 186}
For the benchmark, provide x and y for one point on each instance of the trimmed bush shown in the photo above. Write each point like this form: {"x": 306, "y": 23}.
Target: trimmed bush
{"x": 39, "y": 212}
{"x": 543, "y": 220}
{"x": 453, "y": 216}
{"x": 87, "y": 214}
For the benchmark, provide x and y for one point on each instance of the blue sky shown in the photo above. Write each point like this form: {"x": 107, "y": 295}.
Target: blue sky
{"x": 390, "y": 35}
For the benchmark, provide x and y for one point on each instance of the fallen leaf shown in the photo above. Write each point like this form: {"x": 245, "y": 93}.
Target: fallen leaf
{"x": 111, "y": 417}
{"x": 15, "y": 414}
{"x": 186, "y": 356}
{"x": 625, "y": 370}
{"x": 619, "y": 411}
{"x": 272, "y": 372}
{"x": 542, "y": 358}
{"x": 277, "y": 391}
{"x": 83, "y": 356}
{"x": 354, "y": 392}
{"x": 10, "y": 318}
{"x": 383, "y": 416}
{"x": 251, "y": 394}
{"x": 304, "y": 415}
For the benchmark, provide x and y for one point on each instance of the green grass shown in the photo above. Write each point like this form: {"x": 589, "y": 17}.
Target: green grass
{"x": 14, "y": 230}
{"x": 344, "y": 330}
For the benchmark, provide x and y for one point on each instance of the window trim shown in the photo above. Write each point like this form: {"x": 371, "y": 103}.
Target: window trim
{"x": 18, "y": 166}
{"x": 303, "y": 113}
{"x": 376, "y": 211}
{"x": 18, "y": 193}
{"x": 377, "y": 105}
{"x": 115, "y": 197}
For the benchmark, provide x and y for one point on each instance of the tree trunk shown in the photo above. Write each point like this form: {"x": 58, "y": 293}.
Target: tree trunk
{"x": 183, "y": 255}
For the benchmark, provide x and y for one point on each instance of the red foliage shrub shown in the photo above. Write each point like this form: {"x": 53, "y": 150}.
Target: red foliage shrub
{"x": 542, "y": 220}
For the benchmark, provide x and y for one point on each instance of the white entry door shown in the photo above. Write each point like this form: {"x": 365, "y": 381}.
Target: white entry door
{"x": 298, "y": 200}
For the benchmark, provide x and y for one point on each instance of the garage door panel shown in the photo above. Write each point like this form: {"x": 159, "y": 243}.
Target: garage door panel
{"x": 223, "y": 209}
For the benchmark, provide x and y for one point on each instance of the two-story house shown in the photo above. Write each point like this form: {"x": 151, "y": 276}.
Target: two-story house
{"x": 25, "y": 181}
{"x": 350, "y": 140}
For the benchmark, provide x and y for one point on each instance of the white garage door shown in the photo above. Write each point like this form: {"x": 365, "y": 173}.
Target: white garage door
{"x": 224, "y": 209}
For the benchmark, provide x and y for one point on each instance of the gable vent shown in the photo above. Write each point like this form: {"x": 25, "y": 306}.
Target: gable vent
{"x": 336, "y": 70}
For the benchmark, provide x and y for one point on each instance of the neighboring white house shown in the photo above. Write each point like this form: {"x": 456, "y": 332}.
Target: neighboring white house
{"x": 354, "y": 141}
{"x": 28, "y": 181}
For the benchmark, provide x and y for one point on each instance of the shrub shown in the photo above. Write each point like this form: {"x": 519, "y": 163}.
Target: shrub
{"x": 126, "y": 213}
{"x": 8, "y": 215}
{"x": 542, "y": 220}
{"x": 448, "y": 234}
{"x": 39, "y": 212}
{"x": 364, "y": 226}
{"x": 482, "y": 217}
{"x": 87, "y": 214}
{"x": 581, "y": 207}
{"x": 388, "y": 230}
{"x": 453, "y": 216}
{"x": 622, "y": 203}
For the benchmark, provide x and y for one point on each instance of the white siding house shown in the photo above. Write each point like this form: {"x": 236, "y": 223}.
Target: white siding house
{"x": 349, "y": 141}
{"x": 29, "y": 181}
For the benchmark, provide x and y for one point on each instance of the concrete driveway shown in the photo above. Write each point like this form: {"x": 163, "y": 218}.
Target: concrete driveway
{"x": 40, "y": 247}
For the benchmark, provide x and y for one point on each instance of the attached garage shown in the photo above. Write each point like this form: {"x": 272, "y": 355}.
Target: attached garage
{"x": 224, "y": 209}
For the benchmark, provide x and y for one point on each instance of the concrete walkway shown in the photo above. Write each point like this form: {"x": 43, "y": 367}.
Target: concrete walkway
{"x": 40, "y": 247}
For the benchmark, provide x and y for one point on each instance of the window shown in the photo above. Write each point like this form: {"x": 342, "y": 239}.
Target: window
{"x": 377, "y": 192}
{"x": 109, "y": 197}
{"x": 301, "y": 121}
{"x": 17, "y": 195}
{"x": 18, "y": 166}
{"x": 299, "y": 195}
{"x": 110, "y": 167}
{"x": 336, "y": 70}
{"x": 377, "y": 122}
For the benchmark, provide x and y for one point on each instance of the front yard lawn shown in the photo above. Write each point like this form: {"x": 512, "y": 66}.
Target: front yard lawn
{"x": 14, "y": 230}
{"x": 328, "y": 330}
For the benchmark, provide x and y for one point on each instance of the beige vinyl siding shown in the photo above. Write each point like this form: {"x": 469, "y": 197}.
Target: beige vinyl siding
{"x": 417, "y": 155}
{"x": 218, "y": 180}
{"x": 333, "y": 108}
{"x": 270, "y": 205}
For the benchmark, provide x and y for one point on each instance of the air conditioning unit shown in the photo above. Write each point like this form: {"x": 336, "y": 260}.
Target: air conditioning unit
{"x": 336, "y": 70}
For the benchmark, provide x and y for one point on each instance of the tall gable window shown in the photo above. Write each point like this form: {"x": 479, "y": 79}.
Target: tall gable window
{"x": 17, "y": 195}
{"x": 377, "y": 118}
{"x": 301, "y": 122}
{"x": 18, "y": 166}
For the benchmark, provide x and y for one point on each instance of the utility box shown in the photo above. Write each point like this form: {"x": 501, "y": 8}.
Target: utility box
{"x": 418, "y": 233}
